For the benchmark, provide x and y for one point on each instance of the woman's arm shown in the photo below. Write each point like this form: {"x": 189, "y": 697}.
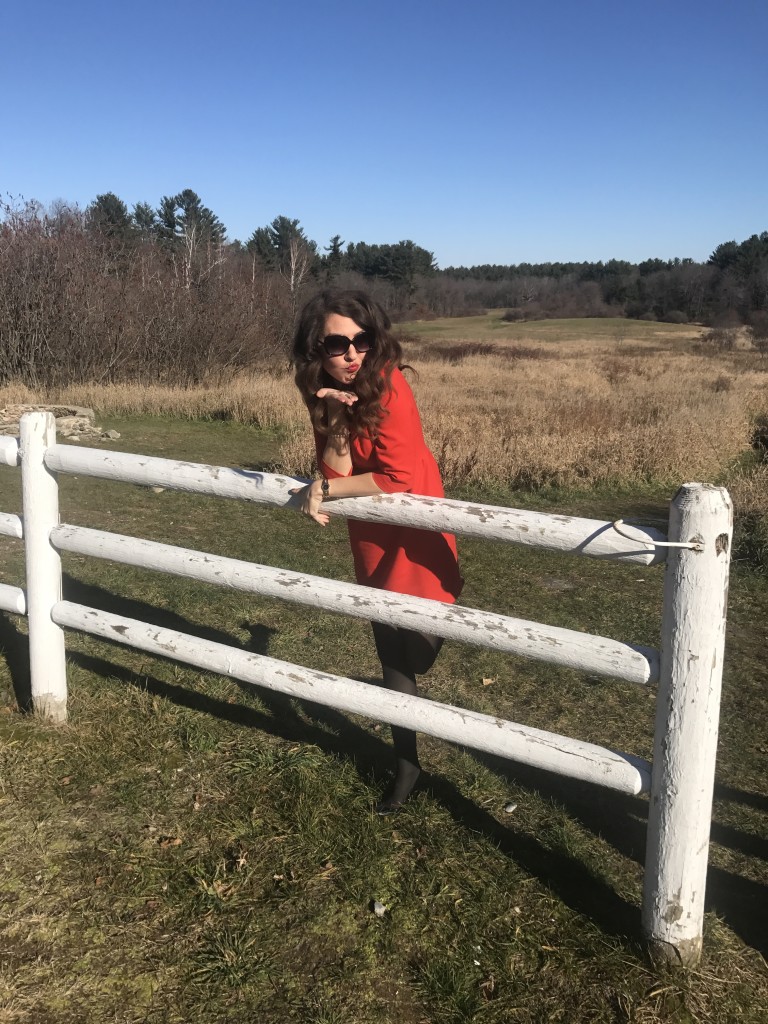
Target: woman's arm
{"x": 361, "y": 486}
{"x": 337, "y": 457}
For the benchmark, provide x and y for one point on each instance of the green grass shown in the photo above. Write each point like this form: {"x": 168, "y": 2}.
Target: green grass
{"x": 597, "y": 330}
{"x": 187, "y": 848}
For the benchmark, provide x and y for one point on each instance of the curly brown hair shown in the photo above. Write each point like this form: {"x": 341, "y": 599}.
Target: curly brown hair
{"x": 374, "y": 377}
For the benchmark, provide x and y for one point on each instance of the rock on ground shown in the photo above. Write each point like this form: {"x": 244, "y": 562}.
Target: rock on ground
{"x": 72, "y": 421}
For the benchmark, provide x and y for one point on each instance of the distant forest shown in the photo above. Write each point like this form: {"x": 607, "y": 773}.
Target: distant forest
{"x": 159, "y": 292}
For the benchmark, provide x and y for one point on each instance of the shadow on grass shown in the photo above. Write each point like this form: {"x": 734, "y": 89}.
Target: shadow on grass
{"x": 283, "y": 709}
{"x": 621, "y": 820}
{"x": 15, "y": 646}
{"x": 565, "y": 876}
{"x": 335, "y": 734}
{"x": 618, "y": 819}
{"x": 562, "y": 874}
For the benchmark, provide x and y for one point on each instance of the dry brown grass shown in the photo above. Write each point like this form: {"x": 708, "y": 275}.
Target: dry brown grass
{"x": 749, "y": 492}
{"x": 580, "y": 419}
{"x": 264, "y": 400}
{"x": 585, "y": 420}
{"x": 531, "y": 406}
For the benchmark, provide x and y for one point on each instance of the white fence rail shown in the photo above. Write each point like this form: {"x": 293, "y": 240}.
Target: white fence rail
{"x": 557, "y": 533}
{"x": 534, "y": 746}
{"x": 9, "y": 451}
{"x": 688, "y": 668}
{"x": 593, "y": 654}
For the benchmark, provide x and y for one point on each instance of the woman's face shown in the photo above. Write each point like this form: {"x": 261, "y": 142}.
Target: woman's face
{"x": 343, "y": 368}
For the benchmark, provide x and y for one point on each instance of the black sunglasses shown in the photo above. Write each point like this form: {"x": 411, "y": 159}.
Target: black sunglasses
{"x": 338, "y": 345}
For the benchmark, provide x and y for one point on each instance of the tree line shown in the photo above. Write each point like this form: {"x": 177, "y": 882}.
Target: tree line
{"x": 732, "y": 285}
{"x": 160, "y": 293}
{"x": 731, "y": 288}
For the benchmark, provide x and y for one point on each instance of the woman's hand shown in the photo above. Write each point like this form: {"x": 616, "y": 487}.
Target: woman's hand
{"x": 311, "y": 500}
{"x": 337, "y": 395}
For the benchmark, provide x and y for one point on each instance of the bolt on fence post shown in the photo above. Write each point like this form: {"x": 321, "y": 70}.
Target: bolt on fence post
{"x": 687, "y": 717}
{"x": 40, "y": 493}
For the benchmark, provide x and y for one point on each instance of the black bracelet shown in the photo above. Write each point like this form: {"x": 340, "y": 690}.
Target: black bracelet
{"x": 325, "y": 487}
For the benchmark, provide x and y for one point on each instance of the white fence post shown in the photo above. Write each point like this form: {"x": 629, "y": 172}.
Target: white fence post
{"x": 47, "y": 664}
{"x": 687, "y": 713}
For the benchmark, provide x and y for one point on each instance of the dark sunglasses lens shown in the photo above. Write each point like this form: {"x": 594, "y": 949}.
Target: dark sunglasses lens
{"x": 338, "y": 345}
{"x": 335, "y": 345}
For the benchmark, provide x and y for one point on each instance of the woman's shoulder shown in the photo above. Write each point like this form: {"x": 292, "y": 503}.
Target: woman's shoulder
{"x": 398, "y": 385}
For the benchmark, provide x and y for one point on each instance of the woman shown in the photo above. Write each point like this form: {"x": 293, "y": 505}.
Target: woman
{"x": 369, "y": 441}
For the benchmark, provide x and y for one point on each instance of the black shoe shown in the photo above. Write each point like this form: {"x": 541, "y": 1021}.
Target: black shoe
{"x": 385, "y": 807}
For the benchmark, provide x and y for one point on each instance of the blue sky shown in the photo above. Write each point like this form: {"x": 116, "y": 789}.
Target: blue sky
{"x": 486, "y": 131}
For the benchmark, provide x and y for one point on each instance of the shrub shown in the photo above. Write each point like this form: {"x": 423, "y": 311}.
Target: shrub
{"x": 758, "y": 331}
{"x": 615, "y": 370}
{"x": 457, "y": 352}
{"x": 749, "y": 492}
{"x": 759, "y": 438}
{"x": 719, "y": 339}
{"x": 729, "y": 320}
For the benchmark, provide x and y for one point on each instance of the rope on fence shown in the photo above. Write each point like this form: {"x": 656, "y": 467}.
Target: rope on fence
{"x": 693, "y": 545}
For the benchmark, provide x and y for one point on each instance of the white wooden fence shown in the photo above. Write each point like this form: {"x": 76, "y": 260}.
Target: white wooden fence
{"x": 687, "y": 670}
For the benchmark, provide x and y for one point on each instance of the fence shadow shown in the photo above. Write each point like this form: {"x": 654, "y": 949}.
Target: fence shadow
{"x": 621, "y": 820}
{"x": 15, "y": 646}
{"x": 336, "y": 734}
{"x": 371, "y": 755}
{"x": 281, "y": 706}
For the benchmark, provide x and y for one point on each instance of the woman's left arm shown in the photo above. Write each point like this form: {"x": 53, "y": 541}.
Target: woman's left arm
{"x": 362, "y": 486}
{"x": 395, "y": 445}
{"x": 337, "y": 457}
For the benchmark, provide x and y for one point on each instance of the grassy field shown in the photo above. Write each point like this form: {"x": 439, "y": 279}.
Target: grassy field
{"x": 187, "y": 848}
{"x": 574, "y": 404}
{"x": 583, "y": 333}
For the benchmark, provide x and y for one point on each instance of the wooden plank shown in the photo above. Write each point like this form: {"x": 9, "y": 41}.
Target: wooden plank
{"x": 11, "y": 526}
{"x": 554, "y": 753}
{"x": 40, "y": 495}
{"x": 687, "y": 718}
{"x": 589, "y": 537}
{"x": 581, "y": 651}
{"x": 9, "y": 451}
{"x": 12, "y": 599}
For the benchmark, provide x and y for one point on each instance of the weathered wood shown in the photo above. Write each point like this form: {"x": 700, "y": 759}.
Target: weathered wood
{"x": 593, "y": 654}
{"x": 40, "y": 495}
{"x": 11, "y": 526}
{"x": 534, "y": 529}
{"x": 549, "y": 751}
{"x": 9, "y": 451}
{"x": 12, "y": 599}
{"x": 693, "y": 632}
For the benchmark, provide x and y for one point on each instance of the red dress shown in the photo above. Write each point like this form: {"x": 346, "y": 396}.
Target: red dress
{"x": 403, "y": 559}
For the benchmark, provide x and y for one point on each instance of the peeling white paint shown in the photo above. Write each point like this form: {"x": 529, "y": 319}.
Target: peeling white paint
{"x": 570, "y": 648}
{"x": 545, "y": 750}
{"x": 589, "y": 537}
{"x": 11, "y": 526}
{"x": 687, "y": 718}
{"x": 40, "y": 496}
{"x": 9, "y": 451}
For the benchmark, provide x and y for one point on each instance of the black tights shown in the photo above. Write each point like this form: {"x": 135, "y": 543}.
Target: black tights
{"x": 403, "y": 654}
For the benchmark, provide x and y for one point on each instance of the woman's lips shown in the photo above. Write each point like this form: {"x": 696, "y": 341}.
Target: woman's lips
{"x": 353, "y": 368}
